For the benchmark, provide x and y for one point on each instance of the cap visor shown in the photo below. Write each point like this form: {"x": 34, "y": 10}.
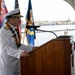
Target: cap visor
{"x": 17, "y": 15}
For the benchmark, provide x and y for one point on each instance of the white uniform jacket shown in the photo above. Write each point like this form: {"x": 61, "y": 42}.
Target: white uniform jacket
{"x": 9, "y": 53}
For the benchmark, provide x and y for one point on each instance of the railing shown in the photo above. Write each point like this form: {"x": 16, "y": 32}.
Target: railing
{"x": 43, "y": 36}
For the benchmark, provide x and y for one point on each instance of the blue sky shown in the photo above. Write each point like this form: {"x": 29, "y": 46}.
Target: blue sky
{"x": 45, "y": 9}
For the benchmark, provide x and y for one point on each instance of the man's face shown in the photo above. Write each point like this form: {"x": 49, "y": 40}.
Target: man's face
{"x": 16, "y": 21}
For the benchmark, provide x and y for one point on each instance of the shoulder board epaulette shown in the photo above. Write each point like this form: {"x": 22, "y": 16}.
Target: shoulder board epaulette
{"x": 6, "y": 27}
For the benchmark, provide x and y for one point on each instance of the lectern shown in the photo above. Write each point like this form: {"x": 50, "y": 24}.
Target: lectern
{"x": 52, "y": 58}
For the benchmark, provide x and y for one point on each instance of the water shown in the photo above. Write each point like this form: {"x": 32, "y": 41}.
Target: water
{"x": 43, "y": 37}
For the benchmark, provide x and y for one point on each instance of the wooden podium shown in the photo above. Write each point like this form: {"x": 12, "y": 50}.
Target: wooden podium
{"x": 52, "y": 58}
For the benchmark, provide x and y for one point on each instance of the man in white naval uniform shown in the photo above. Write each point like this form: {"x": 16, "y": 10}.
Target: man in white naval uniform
{"x": 10, "y": 45}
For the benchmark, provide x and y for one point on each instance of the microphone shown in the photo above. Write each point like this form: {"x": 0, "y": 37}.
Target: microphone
{"x": 47, "y": 31}
{"x": 35, "y": 27}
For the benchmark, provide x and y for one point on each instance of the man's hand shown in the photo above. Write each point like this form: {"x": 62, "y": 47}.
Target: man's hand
{"x": 25, "y": 54}
{"x": 35, "y": 48}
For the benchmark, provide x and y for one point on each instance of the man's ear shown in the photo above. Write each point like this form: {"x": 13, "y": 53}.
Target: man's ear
{"x": 11, "y": 19}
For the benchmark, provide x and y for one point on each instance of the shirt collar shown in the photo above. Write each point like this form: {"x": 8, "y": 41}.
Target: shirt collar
{"x": 13, "y": 27}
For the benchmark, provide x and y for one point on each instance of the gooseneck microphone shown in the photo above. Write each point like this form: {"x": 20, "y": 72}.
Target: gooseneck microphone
{"x": 35, "y": 27}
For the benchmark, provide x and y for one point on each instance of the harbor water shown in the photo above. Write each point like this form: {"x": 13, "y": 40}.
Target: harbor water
{"x": 46, "y": 35}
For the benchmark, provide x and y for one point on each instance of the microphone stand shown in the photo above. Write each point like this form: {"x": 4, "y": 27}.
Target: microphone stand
{"x": 35, "y": 27}
{"x": 47, "y": 31}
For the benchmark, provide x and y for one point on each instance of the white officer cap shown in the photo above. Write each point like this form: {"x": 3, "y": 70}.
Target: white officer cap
{"x": 13, "y": 13}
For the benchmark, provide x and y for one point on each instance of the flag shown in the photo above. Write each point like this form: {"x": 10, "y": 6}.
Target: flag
{"x": 18, "y": 27}
{"x": 3, "y": 12}
{"x": 30, "y": 32}
{"x": 16, "y": 4}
